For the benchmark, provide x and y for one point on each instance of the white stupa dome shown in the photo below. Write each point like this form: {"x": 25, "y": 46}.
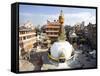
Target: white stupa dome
{"x": 62, "y": 47}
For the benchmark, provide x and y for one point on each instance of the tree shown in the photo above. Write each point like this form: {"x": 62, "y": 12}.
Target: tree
{"x": 38, "y": 30}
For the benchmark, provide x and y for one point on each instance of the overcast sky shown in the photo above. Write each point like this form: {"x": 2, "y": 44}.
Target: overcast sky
{"x": 39, "y": 15}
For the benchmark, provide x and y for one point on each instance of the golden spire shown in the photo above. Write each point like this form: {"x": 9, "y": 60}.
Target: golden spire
{"x": 61, "y": 13}
{"x": 61, "y": 17}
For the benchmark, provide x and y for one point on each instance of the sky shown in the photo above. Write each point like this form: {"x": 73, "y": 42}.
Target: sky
{"x": 39, "y": 15}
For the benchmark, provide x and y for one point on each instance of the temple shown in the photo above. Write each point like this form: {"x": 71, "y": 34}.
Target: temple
{"x": 53, "y": 29}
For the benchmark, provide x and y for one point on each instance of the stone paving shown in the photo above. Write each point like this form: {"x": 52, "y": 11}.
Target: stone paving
{"x": 25, "y": 65}
{"x": 40, "y": 61}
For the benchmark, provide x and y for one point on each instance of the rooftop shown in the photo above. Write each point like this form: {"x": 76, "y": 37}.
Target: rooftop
{"x": 26, "y": 27}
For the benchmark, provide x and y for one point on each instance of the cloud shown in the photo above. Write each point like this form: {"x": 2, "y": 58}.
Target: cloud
{"x": 70, "y": 18}
{"x": 79, "y": 17}
{"x": 73, "y": 18}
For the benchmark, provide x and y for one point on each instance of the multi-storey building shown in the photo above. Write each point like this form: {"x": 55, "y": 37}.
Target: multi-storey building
{"x": 79, "y": 26}
{"x": 53, "y": 29}
{"x": 91, "y": 35}
{"x": 27, "y": 36}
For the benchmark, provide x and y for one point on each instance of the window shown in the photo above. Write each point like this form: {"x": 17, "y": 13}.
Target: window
{"x": 24, "y": 38}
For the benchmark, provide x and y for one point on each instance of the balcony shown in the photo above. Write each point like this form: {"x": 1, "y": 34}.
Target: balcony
{"x": 52, "y": 31}
{"x": 27, "y": 34}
